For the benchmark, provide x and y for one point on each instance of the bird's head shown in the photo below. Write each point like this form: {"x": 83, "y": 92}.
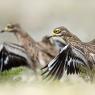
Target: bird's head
{"x": 61, "y": 31}
{"x": 65, "y": 34}
{"x": 11, "y": 28}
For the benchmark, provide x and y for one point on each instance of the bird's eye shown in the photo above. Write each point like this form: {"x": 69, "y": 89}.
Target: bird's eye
{"x": 57, "y": 31}
{"x": 10, "y": 26}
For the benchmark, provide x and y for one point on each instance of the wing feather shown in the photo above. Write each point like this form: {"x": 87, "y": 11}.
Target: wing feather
{"x": 12, "y": 55}
{"x": 68, "y": 60}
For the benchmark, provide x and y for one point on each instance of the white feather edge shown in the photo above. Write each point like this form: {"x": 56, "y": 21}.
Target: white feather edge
{"x": 16, "y": 49}
{"x": 49, "y": 65}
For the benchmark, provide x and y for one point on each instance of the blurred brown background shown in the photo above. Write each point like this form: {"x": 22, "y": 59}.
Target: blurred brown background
{"x": 40, "y": 17}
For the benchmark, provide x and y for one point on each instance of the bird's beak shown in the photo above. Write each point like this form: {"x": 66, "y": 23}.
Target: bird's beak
{"x": 49, "y": 37}
{"x": 52, "y": 36}
{"x": 4, "y": 30}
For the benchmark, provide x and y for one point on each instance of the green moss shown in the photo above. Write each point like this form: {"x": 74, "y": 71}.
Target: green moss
{"x": 7, "y": 76}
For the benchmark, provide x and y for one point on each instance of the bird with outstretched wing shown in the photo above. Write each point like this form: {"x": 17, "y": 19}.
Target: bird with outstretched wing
{"x": 72, "y": 57}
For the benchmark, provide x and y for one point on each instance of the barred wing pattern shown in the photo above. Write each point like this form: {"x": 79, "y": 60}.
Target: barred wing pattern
{"x": 69, "y": 59}
{"x": 12, "y": 55}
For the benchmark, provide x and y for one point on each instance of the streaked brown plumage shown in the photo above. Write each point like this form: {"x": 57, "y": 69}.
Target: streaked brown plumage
{"x": 74, "y": 55}
{"x": 41, "y": 52}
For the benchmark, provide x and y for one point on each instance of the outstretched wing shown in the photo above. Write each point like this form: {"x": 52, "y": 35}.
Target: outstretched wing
{"x": 69, "y": 59}
{"x": 12, "y": 55}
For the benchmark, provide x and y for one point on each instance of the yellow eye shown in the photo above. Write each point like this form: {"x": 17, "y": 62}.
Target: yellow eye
{"x": 9, "y": 26}
{"x": 57, "y": 31}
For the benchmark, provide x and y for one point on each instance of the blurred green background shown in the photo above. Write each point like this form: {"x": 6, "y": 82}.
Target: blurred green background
{"x": 40, "y": 17}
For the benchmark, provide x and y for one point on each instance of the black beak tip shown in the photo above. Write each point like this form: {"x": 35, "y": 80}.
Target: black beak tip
{"x": 50, "y": 37}
{"x": 1, "y": 31}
